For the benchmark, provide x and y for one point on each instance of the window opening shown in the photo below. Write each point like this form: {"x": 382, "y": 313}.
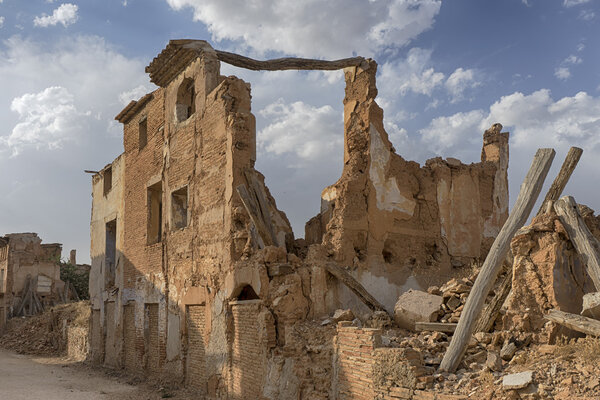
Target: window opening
{"x": 186, "y": 100}
{"x": 179, "y": 208}
{"x": 143, "y": 133}
{"x": 107, "y": 179}
{"x": 110, "y": 253}
{"x": 154, "y": 213}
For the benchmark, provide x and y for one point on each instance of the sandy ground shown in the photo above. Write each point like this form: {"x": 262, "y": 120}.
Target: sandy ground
{"x": 50, "y": 378}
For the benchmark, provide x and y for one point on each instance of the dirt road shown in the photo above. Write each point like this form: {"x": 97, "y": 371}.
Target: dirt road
{"x": 31, "y": 378}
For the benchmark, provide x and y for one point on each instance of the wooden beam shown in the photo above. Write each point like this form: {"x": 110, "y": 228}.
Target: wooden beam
{"x": 343, "y": 276}
{"x": 492, "y": 309}
{"x": 562, "y": 178}
{"x": 530, "y": 190}
{"x": 447, "y": 327}
{"x": 279, "y": 64}
{"x": 585, "y": 243}
{"x": 253, "y": 212}
{"x": 576, "y": 322}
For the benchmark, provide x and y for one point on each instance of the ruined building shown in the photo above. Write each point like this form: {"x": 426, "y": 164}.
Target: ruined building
{"x": 23, "y": 257}
{"x": 196, "y": 275}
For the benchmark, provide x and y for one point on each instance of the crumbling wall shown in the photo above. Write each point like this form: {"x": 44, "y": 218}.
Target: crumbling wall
{"x": 547, "y": 274}
{"x": 106, "y": 271}
{"x": 398, "y": 225}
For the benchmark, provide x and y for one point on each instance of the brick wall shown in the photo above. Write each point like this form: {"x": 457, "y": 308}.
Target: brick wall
{"x": 110, "y": 353}
{"x": 131, "y": 359}
{"x": 368, "y": 371}
{"x": 247, "y": 365}
{"x": 152, "y": 340}
{"x": 196, "y": 362}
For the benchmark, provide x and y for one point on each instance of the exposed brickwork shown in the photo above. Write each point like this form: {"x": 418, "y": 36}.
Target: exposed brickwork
{"x": 196, "y": 362}
{"x": 130, "y": 357}
{"x": 368, "y": 371}
{"x": 152, "y": 350}
{"x": 110, "y": 353}
{"x": 246, "y": 369}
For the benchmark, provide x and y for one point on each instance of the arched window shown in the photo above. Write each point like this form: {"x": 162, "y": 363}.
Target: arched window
{"x": 186, "y": 104}
{"x": 247, "y": 293}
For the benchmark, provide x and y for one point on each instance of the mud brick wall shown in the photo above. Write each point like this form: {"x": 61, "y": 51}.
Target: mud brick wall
{"x": 152, "y": 339}
{"x": 196, "y": 362}
{"x": 368, "y": 371}
{"x": 356, "y": 352}
{"x": 131, "y": 359}
{"x": 142, "y": 165}
{"x": 247, "y": 366}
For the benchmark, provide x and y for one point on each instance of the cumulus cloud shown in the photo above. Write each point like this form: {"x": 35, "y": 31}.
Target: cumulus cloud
{"x": 415, "y": 74}
{"x": 536, "y": 119}
{"x": 412, "y": 74}
{"x": 46, "y": 120}
{"x": 315, "y": 28}
{"x": 38, "y": 109}
{"x": 307, "y": 132}
{"x": 459, "y": 81}
{"x": 65, "y": 14}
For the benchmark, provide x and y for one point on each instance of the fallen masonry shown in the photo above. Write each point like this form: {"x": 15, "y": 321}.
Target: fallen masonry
{"x": 197, "y": 277}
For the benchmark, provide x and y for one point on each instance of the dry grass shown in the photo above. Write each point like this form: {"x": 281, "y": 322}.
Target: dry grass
{"x": 585, "y": 350}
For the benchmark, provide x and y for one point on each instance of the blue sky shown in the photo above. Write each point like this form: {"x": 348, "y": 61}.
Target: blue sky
{"x": 447, "y": 71}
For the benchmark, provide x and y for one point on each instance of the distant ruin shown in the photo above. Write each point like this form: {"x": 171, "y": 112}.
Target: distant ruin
{"x": 196, "y": 274}
{"x": 25, "y": 262}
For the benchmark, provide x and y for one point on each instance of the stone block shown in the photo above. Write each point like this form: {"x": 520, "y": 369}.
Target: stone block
{"x": 343, "y": 315}
{"x": 591, "y": 305}
{"x": 416, "y": 306}
{"x": 517, "y": 381}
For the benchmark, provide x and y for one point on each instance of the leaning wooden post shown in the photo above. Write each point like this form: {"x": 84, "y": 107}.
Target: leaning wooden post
{"x": 585, "y": 243}
{"x": 562, "y": 178}
{"x": 530, "y": 190}
{"x": 576, "y": 322}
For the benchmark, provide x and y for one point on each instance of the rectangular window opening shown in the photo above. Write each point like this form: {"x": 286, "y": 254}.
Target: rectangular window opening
{"x": 110, "y": 254}
{"x": 107, "y": 179}
{"x": 154, "y": 213}
{"x": 143, "y": 133}
{"x": 179, "y": 208}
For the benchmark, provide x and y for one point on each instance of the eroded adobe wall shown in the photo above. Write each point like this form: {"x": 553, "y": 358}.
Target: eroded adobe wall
{"x": 107, "y": 207}
{"x": 396, "y": 224}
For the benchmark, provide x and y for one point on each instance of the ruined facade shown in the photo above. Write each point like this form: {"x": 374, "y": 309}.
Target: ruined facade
{"x": 196, "y": 274}
{"x": 23, "y": 256}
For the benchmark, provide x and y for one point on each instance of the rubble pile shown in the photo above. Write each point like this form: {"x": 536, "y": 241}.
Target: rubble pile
{"x": 48, "y": 333}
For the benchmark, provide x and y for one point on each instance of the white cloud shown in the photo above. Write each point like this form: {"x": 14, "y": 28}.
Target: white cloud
{"x": 562, "y": 73}
{"x": 571, "y": 3}
{"x": 46, "y": 120}
{"x": 65, "y": 14}
{"x": 457, "y": 132}
{"x": 310, "y": 133}
{"x": 133, "y": 94}
{"x": 587, "y": 15}
{"x": 572, "y": 59}
{"x": 72, "y": 82}
{"x": 580, "y": 47}
{"x": 536, "y": 121}
{"x": 460, "y": 80}
{"x": 412, "y": 74}
{"x": 1, "y": 19}
{"x": 314, "y": 28}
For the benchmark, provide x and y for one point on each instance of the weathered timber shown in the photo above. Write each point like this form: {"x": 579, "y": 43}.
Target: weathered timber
{"x": 530, "y": 190}
{"x": 492, "y": 309}
{"x": 253, "y": 212}
{"x": 576, "y": 322}
{"x": 25, "y": 294}
{"x": 562, "y": 178}
{"x": 279, "y": 64}
{"x": 343, "y": 276}
{"x": 447, "y": 327}
{"x": 585, "y": 243}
